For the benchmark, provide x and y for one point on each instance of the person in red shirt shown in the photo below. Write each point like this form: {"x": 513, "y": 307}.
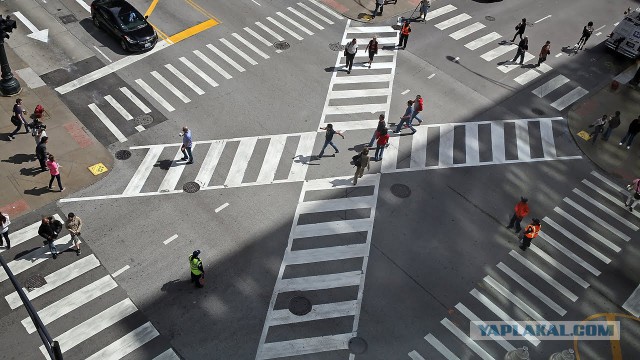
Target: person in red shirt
{"x": 521, "y": 210}
{"x": 418, "y": 106}
{"x": 383, "y": 139}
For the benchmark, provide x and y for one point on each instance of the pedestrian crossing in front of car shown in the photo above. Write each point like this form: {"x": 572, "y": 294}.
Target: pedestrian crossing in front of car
{"x": 582, "y": 234}
{"x": 78, "y": 300}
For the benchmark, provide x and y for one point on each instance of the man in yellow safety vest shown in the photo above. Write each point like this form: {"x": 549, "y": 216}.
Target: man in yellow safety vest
{"x": 197, "y": 271}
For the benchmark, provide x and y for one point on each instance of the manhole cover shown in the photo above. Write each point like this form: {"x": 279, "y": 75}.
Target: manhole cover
{"x": 537, "y": 111}
{"x": 357, "y": 345}
{"x": 489, "y": 18}
{"x": 336, "y": 47}
{"x": 144, "y": 119}
{"x": 281, "y": 45}
{"x": 299, "y": 305}
{"x": 66, "y": 19}
{"x": 400, "y": 190}
{"x": 34, "y": 282}
{"x": 191, "y": 187}
{"x": 123, "y": 154}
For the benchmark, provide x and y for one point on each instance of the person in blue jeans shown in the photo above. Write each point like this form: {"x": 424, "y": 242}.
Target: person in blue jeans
{"x": 381, "y": 125}
{"x": 634, "y": 129}
{"x": 405, "y": 119}
{"x": 47, "y": 232}
{"x": 328, "y": 139}
{"x": 383, "y": 139}
{"x": 187, "y": 143}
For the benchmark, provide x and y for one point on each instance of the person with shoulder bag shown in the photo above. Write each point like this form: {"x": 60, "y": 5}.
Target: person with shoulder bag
{"x": 361, "y": 161}
{"x": 520, "y": 28}
{"x": 17, "y": 119}
{"x": 350, "y": 53}
{"x": 634, "y": 194}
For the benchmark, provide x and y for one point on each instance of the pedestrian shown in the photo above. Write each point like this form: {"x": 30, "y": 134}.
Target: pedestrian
{"x": 379, "y": 5}
{"x": 328, "y": 138}
{"x": 38, "y": 130}
{"x": 418, "y": 106}
{"x": 350, "y": 53}
{"x": 361, "y": 161}
{"x": 546, "y": 50}
{"x": 520, "y": 28}
{"x": 586, "y": 33}
{"x": 54, "y": 170}
{"x": 598, "y": 127}
{"x": 523, "y": 46}
{"x": 383, "y": 139}
{"x": 530, "y": 232}
{"x": 634, "y": 129}
{"x": 406, "y": 119}
{"x": 425, "y": 5}
{"x": 17, "y": 119}
{"x": 197, "y": 271}
{"x": 41, "y": 153}
{"x": 521, "y": 210}
{"x": 74, "y": 225}
{"x": 372, "y": 47}
{"x": 634, "y": 194}
{"x": 4, "y": 232}
{"x": 47, "y": 232}
{"x": 614, "y": 122}
{"x": 187, "y": 143}
{"x": 404, "y": 34}
{"x": 381, "y": 125}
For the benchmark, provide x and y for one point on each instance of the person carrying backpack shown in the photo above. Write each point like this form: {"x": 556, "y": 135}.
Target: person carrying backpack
{"x": 520, "y": 28}
{"x": 361, "y": 161}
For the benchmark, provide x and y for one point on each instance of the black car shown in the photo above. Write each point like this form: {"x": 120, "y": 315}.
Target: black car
{"x": 122, "y": 20}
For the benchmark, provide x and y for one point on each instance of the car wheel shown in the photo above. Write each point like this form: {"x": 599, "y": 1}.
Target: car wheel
{"x": 96, "y": 23}
{"x": 123, "y": 45}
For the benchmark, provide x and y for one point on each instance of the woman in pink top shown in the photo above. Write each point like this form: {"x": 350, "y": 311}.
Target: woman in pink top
{"x": 54, "y": 170}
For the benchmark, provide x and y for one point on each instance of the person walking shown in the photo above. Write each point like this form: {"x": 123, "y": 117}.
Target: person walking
{"x": 379, "y": 6}
{"x": 328, "y": 139}
{"x": 187, "y": 143}
{"x": 634, "y": 129}
{"x": 361, "y": 161}
{"x": 598, "y": 127}
{"x": 350, "y": 53}
{"x": 418, "y": 106}
{"x": 383, "y": 139}
{"x": 18, "y": 119}
{"x": 425, "y": 5}
{"x": 197, "y": 271}
{"x": 46, "y": 231}
{"x": 546, "y": 50}
{"x": 613, "y": 123}
{"x": 586, "y": 34}
{"x": 41, "y": 153}
{"x": 38, "y": 130}
{"x": 521, "y": 210}
{"x": 404, "y": 34}
{"x": 4, "y": 229}
{"x": 523, "y": 46}
{"x": 372, "y": 47}
{"x": 54, "y": 170}
{"x": 405, "y": 119}
{"x": 74, "y": 225}
{"x": 381, "y": 125}
{"x": 520, "y": 28}
{"x": 634, "y": 194}
{"x": 530, "y": 232}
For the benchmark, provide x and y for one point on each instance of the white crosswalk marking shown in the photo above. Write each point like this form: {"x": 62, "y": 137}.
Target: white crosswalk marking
{"x": 453, "y": 21}
{"x": 559, "y": 266}
{"x": 569, "y": 253}
{"x": 439, "y": 11}
{"x": 607, "y": 195}
{"x": 199, "y": 72}
{"x": 522, "y": 136}
{"x": 224, "y": 57}
{"x": 499, "y": 51}
{"x": 250, "y": 46}
{"x": 575, "y": 239}
{"x": 473, "y": 317}
{"x": 295, "y": 23}
{"x": 497, "y": 142}
{"x": 440, "y": 347}
{"x": 145, "y": 109}
{"x": 569, "y": 98}
{"x": 154, "y": 95}
{"x": 210, "y": 162}
{"x": 332, "y": 228}
{"x": 548, "y": 142}
{"x": 546, "y": 88}
{"x": 514, "y": 299}
{"x": 172, "y": 177}
{"x": 184, "y": 79}
{"x": 466, "y": 340}
{"x": 472, "y": 150}
{"x": 258, "y": 36}
{"x": 415, "y": 356}
{"x": 317, "y": 14}
{"x": 481, "y": 41}
{"x": 445, "y": 156}
{"x": 272, "y": 159}
{"x": 327, "y": 9}
{"x": 606, "y": 210}
{"x": 213, "y": 65}
{"x": 170, "y": 86}
{"x": 319, "y": 312}
{"x": 107, "y": 122}
{"x": 127, "y": 344}
{"x": 355, "y": 109}
{"x": 116, "y": 105}
{"x": 26, "y": 233}
{"x": 597, "y": 219}
{"x": 467, "y": 31}
{"x": 142, "y": 173}
{"x": 370, "y": 29}
{"x": 586, "y": 229}
{"x": 239, "y": 52}
{"x": 304, "y": 346}
{"x": 318, "y": 282}
{"x": 286, "y": 29}
{"x": 35, "y": 257}
{"x": 240, "y": 161}
{"x": 167, "y": 355}
{"x": 505, "y": 68}
{"x": 608, "y": 182}
{"x": 390, "y": 160}
{"x": 529, "y": 265}
{"x": 418, "y": 158}
{"x": 532, "y": 289}
{"x": 347, "y": 94}
{"x": 526, "y": 77}
{"x": 271, "y": 32}
{"x": 362, "y": 79}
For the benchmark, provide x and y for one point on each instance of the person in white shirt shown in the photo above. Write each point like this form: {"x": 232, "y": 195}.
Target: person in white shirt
{"x": 4, "y": 226}
{"x": 350, "y": 53}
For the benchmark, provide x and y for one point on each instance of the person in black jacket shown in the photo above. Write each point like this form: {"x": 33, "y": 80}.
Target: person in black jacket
{"x": 520, "y": 28}
{"x": 41, "y": 153}
{"x": 634, "y": 129}
{"x": 523, "y": 46}
{"x": 46, "y": 230}
{"x": 613, "y": 123}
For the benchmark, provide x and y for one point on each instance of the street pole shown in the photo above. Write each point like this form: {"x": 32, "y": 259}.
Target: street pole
{"x": 9, "y": 85}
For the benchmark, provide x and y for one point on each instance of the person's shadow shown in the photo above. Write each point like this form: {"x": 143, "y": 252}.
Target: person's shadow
{"x": 20, "y": 158}
{"x": 37, "y": 191}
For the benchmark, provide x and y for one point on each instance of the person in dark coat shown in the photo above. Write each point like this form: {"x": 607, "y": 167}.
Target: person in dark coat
{"x": 614, "y": 122}
{"x": 634, "y": 129}
{"x": 520, "y": 28}
{"x": 41, "y": 153}
{"x": 47, "y": 231}
{"x": 523, "y": 46}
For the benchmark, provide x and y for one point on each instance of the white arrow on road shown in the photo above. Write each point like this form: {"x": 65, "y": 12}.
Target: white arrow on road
{"x": 42, "y": 35}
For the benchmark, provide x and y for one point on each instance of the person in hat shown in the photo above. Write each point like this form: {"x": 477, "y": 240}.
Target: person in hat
{"x": 530, "y": 233}
{"x": 197, "y": 271}
{"x": 521, "y": 210}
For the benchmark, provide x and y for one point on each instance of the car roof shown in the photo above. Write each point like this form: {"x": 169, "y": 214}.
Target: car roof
{"x": 116, "y": 4}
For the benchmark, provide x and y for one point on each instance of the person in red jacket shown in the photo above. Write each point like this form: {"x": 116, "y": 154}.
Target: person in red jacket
{"x": 521, "y": 210}
{"x": 383, "y": 139}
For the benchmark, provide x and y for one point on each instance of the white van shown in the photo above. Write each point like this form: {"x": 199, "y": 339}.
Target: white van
{"x": 625, "y": 38}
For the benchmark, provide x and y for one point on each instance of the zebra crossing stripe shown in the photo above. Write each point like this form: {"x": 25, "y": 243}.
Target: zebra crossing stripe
{"x": 588, "y": 230}
{"x": 184, "y": 79}
{"x": 302, "y": 16}
{"x": 286, "y": 29}
{"x": 514, "y": 299}
{"x": 453, "y": 21}
{"x": 530, "y": 266}
{"x": 300, "y": 347}
{"x": 526, "y": 77}
{"x": 522, "y": 140}
{"x": 170, "y": 87}
{"x": 142, "y": 173}
{"x": 499, "y": 51}
{"x": 240, "y": 161}
{"x": 472, "y": 150}
{"x": 440, "y": 346}
{"x": 390, "y": 160}
{"x": 374, "y": 66}
{"x": 332, "y": 228}
{"x": 272, "y": 159}
{"x": 209, "y": 163}
{"x": 497, "y": 142}
{"x": 548, "y": 142}
{"x": 370, "y": 29}
{"x": 597, "y": 219}
{"x": 116, "y": 105}
{"x": 250, "y": 46}
{"x": 325, "y": 254}
{"x": 319, "y": 312}
{"x": 320, "y": 282}
{"x": 546, "y": 88}
{"x": 154, "y": 95}
{"x": 439, "y": 11}
{"x": 107, "y": 122}
{"x": 608, "y": 182}
{"x": 606, "y": 210}
{"x": 575, "y": 239}
{"x": 467, "y": 31}
{"x": 532, "y": 289}
{"x": 473, "y": 317}
{"x": 355, "y": 109}
{"x": 569, "y": 253}
{"x": 445, "y": 156}
{"x": 466, "y": 340}
{"x": 418, "y": 159}
{"x": 357, "y": 202}
{"x": 199, "y": 72}
{"x": 167, "y": 355}
{"x": 569, "y": 98}
{"x": 238, "y": 51}
{"x": 127, "y": 344}
{"x": 271, "y": 32}
{"x": 145, "y": 109}
{"x": 35, "y": 257}
{"x": 303, "y": 155}
{"x": 225, "y": 58}
{"x": 172, "y": 176}
{"x": 559, "y": 266}
{"x": 327, "y": 9}
{"x": 349, "y": 94}
{"x": 212, "y": 64}
{"x": 318, "y": 15}
{"x": 362, "y": 79}
{"x": 505, "y": 68}
{"x": 481, "y": 41}
{"x": 606, "y": 195}
{"x": 415, "y": 356}
{"x": 258, "y": 36}
{"x": 26, "y": 233}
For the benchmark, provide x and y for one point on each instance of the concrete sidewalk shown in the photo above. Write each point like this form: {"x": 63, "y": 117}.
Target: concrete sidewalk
{"x": 608, "y": 155}
{"x": 361, "y": 10}
{"x": 24, "y": 187}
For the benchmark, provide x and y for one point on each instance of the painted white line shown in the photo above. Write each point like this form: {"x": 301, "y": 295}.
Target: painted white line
{"x": 362, "y": 79}
{"x": 331, "y": 228}
{"x": 370, "y": 30}
{"x": 531, "y": 267}
{"x": 600, "y": 28}
{"x": 349, "y": 94}
{"x": 327, "y": 9}
{"x": 569, "y": 98}
{"x": 250, "y": 46}
{"x": 548, "y": 142}
{"x": 497, "y": 142}
{"x": 240, "y": 161}
{"x": 209, "y": 163}
{"x": 375, "y": 66}
{"x": 453, "y": 21}
{"x": 439, "y": 11}
{"x": 84, "y": 5}
{"x": 569, "y": 253}
{"x": 258, "y": 36}
{"x": 499, "y": 51}
{"x": 170, "y": 239}
{"x": 224, "y": 57}
{"x": 318, "y": 312}
{"x": 473, "y": 317}
{"x": 101, "y": 53}
{"x": 127, "y": 344}
{"x": 272, "y": 159}
{"x": 382, "y": 41}
{"x": 484, "y": 40}
{"x": 210, "y": 62}
{"x": 35, "y": 257}
{"x": 184, "y": 79}
{"x": 418, "y": 154}
{"x": 467, "y": 31}
{"x": 390, "y": 161}
{"x": 27, "y": 233}
{"x": 304, "y": 346}
{"x": 445, "y": 153}
{"x": 318, "y": 15}
{"x": 143, "y": 171}
{"x": 320, "y": 282}
{"x": 171, "y": 178}
{"x": 597, "y": 219}
{"x": 221, "y": 207}
{"x": 105, "y": 120}
{"x": 466, "y": 340}
{"x": 414, "y": 354}
{"x": 300, "y": 162}
{"x": 56, "y": 279}
{"x": 355, "y": 109}
{"x": 124, "y": 268}
{"x": 242, "y": 54}
{"x": 472, "y": 147}
{"x": 514, "y": 299}
{"x": 616, "y": 24}
{"x": 140, "y": 128}
{"x": 255, "y": 2}
{"x": 339, "y": 183}
{"x": 598, "y": 33}
{"x": 116, "y": 105}
{"x": 30, "y": 77}
{"x": 544, "y": 68}
{"x": 606, "y": 210}
{"x": 403, "y": 93}
{"x": 559, "y": 266}
{"x": 440, "y": 347}
{"x": 325, "y": 254}
{"x": 302, "y": 16}
{"x": 315, "y": 206}
{"x": 199, "y": 72}
{"x": 575, "y": 239}
{"x": 271, "y": 32}
{"x": 588, "y": 230}
{"x": 286, "y": 29}
{"x": 167, "y": 355}
{"x": 135, "y": 100}
{"x": 431, "y": 76}
{"x": 546, "y": 17}
{"x": 353, "y": 125}
{"x": 608, "y": 182}
{"x": 532, "y": 289}
{"x": 71, "y": 302}
{"x": 615, "y": 200}
{"x": 170, "y": 87}
{"x": 559, "y": 54}
{"x": 550, "y": 85}
{"x": 154, "y": 95}
{"x": 632, "y": 304}
{"x": 522, "y": 140}
{"x": 506, "y": 67}
{"x": 526, "y": 77}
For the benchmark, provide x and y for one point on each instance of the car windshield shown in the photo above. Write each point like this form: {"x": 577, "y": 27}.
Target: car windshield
{"x": 129, "y": 18}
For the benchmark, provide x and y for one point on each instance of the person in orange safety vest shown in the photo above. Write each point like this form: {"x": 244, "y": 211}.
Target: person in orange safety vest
{"x": 521, "y": 210}
{"x": 530, "y": 233}
{"x": 404, "y": 34}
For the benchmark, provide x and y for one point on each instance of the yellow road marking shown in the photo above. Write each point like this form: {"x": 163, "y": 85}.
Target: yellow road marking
{"x": 192, "y": 31}
{"x": 616, "y": 350}
{"x": 98, "y": 169}
{"x": 202, "y": 10}
{"x": 160, "y": 32}
{"x": 151, "y": 8}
